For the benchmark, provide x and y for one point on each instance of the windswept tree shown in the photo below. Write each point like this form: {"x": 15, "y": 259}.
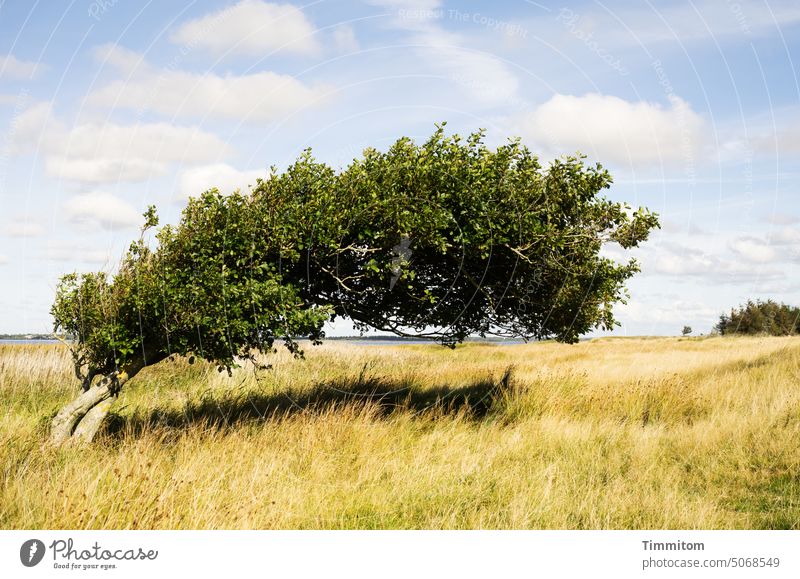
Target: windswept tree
{"x": 444, "y": 240}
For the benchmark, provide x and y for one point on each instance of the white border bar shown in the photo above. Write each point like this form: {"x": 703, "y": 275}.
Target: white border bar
{"x": 404, "y": 554}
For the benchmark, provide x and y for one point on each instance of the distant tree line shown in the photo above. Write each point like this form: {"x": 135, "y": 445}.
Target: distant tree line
{"x": 760, "y": 317}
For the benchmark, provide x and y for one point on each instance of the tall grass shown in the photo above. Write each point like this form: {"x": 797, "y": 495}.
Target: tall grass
{"x": 613, "y": 433}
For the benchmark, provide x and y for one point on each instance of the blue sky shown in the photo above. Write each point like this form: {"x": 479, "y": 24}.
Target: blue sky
{"x": 106, "y": 107}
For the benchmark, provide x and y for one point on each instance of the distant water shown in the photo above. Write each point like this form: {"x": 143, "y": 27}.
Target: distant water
{"x": 29, "y": 342}
{"x": 417, "y": 342}
{"x": 353, "y": 342}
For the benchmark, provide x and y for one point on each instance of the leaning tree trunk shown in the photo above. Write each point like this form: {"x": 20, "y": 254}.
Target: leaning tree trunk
{"x": 80, "y": 420}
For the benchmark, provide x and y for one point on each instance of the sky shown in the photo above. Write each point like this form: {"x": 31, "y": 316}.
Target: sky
{"x": 108, "y": 106}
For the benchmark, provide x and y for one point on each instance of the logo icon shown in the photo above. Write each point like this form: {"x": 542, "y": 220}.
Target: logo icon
{"x": 403, "y": 253}
{"x": 31, "y": 553}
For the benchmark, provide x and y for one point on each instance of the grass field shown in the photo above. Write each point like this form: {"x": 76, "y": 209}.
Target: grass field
{"x": 611, "y": 433}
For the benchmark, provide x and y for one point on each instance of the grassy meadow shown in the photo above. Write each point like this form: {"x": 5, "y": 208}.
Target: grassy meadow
{"x": 606, "y": 434}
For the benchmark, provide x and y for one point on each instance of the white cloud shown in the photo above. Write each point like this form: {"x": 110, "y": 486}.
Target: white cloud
{"x": 109, "y": 152}
{"x": 675, "y": 23}
{"x": 13, "y": 68}
{"x": 754, "y": 250}
{"x": 344, "y": 38}
{"x": 410, "y": 8}
{"x": 781, "y": 142}
{"x": 481, "y": 76}
{"x": 8, "y": 99}
{"x": 782, "y": 219}
{"x": 615, "y": 252}
{"x": 740, "y": 19}
{"x": 23, "y": 229}
{"x": 122, "y": 59}
{"x": 677, "y": 312}
{"x": 220, "y": 175}
{"x": 688, "y": 264}
{"x": 252, "y": 28}
{"x": 99, "y": 209}
{"x": 612, "y": 129}
{"x": 66, "y": 251}
{"x": 786, "y": 236}
{"x": 782, "y": 246}
{"x": 167, "y": 141}
{"x": 711, "y": 266}
{"x": 33, "y": 126}
{"x": 3, "y": 260}
{"x": 103, "y": 170}
{"x": 691, "y": 228}
{"x": 262, "y": 96}
{"x": 773, "y": 288}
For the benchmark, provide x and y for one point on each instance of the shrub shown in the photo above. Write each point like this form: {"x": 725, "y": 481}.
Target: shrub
{"x": 760, "y": 318}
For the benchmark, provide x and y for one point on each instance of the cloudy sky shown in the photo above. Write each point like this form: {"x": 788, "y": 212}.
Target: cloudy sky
{"x": 108, "y": 106}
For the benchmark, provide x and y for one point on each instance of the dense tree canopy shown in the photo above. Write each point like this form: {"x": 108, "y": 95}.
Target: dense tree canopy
{"x": 760, "y": 318}
{"x": 444, "y": 239}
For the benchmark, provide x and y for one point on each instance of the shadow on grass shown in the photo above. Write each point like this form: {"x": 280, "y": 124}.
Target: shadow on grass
{"x": 381, "y": 396}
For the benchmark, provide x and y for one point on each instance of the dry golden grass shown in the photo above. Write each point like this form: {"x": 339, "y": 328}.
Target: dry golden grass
{"x": 612, "y": 433}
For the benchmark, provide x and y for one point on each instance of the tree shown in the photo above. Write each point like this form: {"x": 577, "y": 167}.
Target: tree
{"x": 443, "y": 240}
{"x": 760, "y": 318}
{"x": 686, "y": 330}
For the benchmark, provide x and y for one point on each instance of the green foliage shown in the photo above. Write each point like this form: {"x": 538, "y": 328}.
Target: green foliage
{"x": 761, "y": 318}
{"x": 686, "y": 330}
{"x": 444, "y": 239}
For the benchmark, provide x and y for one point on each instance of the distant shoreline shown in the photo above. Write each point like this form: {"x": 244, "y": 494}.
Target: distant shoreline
{"x": 26, "y": 341}
{"x": 359, "y": 340}
{"x": 28, "y": 337}
{"x": 52, "y": 338}
{"x": 369, "y": 341}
